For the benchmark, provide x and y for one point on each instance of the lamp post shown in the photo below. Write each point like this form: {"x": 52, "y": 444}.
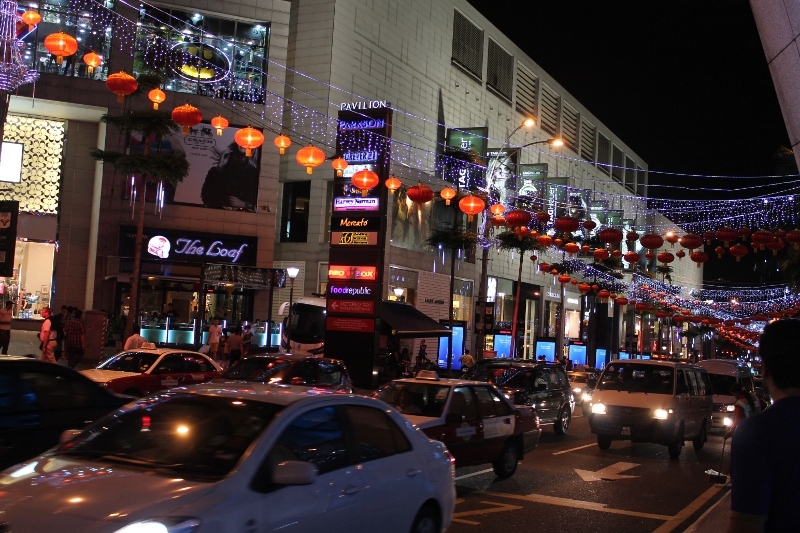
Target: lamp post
{"x": 398, "y": 293}
{"x": 482, "y": 297}
{"x": 292, "y": 271}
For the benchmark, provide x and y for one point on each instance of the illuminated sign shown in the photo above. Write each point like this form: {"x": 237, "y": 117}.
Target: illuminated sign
{"x": 351, "y": 170}
{"x": 160, "y": 246}
{"x": 354, "y": 203}
{"x": 367, "y": 124}
{"x": 363, "y": 156}
{"x": 573, "y": 301}
{"x": 368, "y": 273}
{"x": 354, "y": 238}
{"x": 352, "y": 290}
{"x": 355, "y": 325}
{"x": 369, "y": 104}
{"x": 353, "y": 307}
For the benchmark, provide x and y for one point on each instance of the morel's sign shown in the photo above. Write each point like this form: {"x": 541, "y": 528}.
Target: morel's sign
{"x": 354, "y": 238}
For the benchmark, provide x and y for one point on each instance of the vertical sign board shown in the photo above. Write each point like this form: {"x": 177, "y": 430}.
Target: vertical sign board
{"x": 358, "y": 240}
{"x": 9, "y": 211}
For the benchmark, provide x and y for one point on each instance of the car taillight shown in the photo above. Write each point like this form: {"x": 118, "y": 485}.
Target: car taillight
{"x": 452, "y": 460}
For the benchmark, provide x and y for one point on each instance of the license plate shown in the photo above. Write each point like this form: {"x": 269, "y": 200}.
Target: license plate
{"x": 626, "y": 430}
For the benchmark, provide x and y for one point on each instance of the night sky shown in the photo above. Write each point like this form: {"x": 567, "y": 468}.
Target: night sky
{"x": 685, "y": 84}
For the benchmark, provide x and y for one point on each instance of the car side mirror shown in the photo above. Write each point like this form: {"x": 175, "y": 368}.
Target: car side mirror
{"x": 454, "y": 418}
{"x": 294, "y": 473}
{"x": 67, "y": 435}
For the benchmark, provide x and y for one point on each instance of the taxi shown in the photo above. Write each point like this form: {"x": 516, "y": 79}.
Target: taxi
{"x": 474, "y": 420}
{"x": 149, "y": 369}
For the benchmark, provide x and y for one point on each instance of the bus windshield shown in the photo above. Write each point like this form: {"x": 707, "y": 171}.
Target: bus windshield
{"x": 308, "y": 323}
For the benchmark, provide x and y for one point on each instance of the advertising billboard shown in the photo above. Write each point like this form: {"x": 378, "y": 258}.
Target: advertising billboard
{"x": 469, "y": 140}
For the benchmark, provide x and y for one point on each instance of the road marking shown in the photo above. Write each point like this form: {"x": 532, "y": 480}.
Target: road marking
{"x": 609, "y": 473}
{"x": 497, "y": 508}
{"x": 578, "y": 504}
{"x": 573, "y": 449}
{"x": 674, "y": 521}
{"x": 465, "y": 476}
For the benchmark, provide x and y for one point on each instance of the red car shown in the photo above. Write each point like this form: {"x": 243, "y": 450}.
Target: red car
{"x": 146, "y": 370}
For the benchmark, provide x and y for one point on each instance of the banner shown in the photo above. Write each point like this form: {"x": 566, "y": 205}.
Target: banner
{"x": 530, "y": 179}
{"x": 501, "y": 173}
{"x": 468, "y": 139}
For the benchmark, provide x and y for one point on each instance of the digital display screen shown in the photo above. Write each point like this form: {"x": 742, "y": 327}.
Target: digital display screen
{"x": 624, "y": 355}
{"x": 458, "y": 348}
{"x": 600, "y": 356}
{"x": 546, "y": 349}
{"x": 502, "y": 345}
{"x": 646, "y": 356}
{"x": 577, "y": 354}
{"x": 11, "y": 162}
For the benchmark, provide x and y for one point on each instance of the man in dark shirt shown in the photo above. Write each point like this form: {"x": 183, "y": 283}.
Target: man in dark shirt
{"x": 765, "y": 465}
{"x": 74, "y": 339}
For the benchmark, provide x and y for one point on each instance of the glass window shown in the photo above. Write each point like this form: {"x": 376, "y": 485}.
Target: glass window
{"x": 633, "y": 377}
{"x": 702, "y": 384}
{"x": 463, "y": 403}
{"x": 130, "y": 362}
{"x": 490, "y": 403}
{"x": 315, "y": 437}
{"x": 294, "y": 212}
{"x": 415, "y": 398}
{"x": 692, "y": 375}
{"x": 543, "y": 378}
{"x": 375, "y": 434}
{"x": 329, "y": 374}
{"x": 197, "y": 363}
{"x": 303, "y": 373}
{"x": 52, "y": 390}
{"x": 721, "y": 384}
{"x": 682, "y": 384}
{"x": 257, "y": 368}
{"x": 561, "y": 381}
{"x": 170, "y": 363}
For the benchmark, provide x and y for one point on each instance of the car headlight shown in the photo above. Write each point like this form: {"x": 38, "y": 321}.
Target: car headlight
{"x": 731, "y": 408}
{"x": 170, "y": 524}
{"x": 598, "y": 409}
{"x": 727, "y": 422}
{"x": 577, "y": 390}
{"x": 662, "y": 414}
{"x": 586, "y": 397}
{"x": 507, "y": 395}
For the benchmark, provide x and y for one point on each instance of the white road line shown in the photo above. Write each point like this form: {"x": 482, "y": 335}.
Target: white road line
{"x": 576, "y": 504}
{"x": 465, "y": 476}
{"x": 574, "y": 449}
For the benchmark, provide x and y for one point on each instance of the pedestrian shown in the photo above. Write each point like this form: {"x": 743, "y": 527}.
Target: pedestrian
{"x": 247, "y": 341}
{"x": 135, "y": 341}
{"x": 74, "y": 339}
{"x": 171, "y": 313}
{"x": 224, "y": 351}
{"x": 466, "y": 361}
{"x": 5, "y": 326}
{"x": 235, "y": 346}
{"x": 195, "y": 314}
{"x": 422, "y": 355}
{"x": 765, "y": 465}
{"x": 57, "y": 323}
{"x": 742, "y": 409}
{"x": 214, "y": 334}
{"x": 47, "y": 337}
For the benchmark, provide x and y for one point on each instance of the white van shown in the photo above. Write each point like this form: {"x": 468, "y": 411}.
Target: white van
{"x": 724, "y": 373}
{"x": 662, "y": 402}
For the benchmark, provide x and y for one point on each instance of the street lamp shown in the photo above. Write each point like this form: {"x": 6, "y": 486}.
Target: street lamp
{"x": 398, "y": 293}
{"x": 293, "y": 272}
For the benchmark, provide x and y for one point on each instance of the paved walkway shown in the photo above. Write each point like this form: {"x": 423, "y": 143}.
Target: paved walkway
{"x": 27, "y": 343}
{"x": 716, "y": 518}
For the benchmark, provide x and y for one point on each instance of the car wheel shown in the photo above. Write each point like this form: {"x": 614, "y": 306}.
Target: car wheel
{"x": 700, "y": 439}
{"x": 426, "y": 521}
{"x": 604, "y": 442}
{"x": 133, "y": 392}
{"x": 506, "y": 465}
{"x": 562, "y": 424}
{"x": 674, "y": 448}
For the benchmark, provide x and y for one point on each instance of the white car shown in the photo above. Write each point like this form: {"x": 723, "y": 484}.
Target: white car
{"x": 231, "y": 458}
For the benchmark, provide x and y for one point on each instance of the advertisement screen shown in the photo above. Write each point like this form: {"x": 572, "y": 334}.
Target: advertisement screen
{"x": 624, "y": 355}
{"x": 502, "y": 345}
{"x": 600, "y": 357}
{"x": 577, "y": 354}
{"x": 546, "y": 349}
{"x": 458, "y": 348}
{"x": 11, "y": 162}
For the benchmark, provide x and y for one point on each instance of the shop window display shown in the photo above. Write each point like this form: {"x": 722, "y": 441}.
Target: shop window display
{"x": 30, "y": 287}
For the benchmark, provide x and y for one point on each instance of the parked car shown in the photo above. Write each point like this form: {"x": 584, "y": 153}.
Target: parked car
{"x": 476, "y": 422}
{"x": 544, "y": 386}
{"x": 222, "y": 459}
{"x": 583, "y": 383}
{"x": 40, "y": 400}
{"x": 652, "y": 401}
{"x": 318, "y": 372}
{"x": 150, "y": 369}
{"x": 723, "y": 374}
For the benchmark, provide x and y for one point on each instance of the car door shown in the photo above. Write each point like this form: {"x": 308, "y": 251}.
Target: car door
{"x": 560, "y": 391}
{"x": 497, "y": 419}
{"x": 197, "y": 369}
{"x": 169, "y": 371}
{"x": 683, "y": 403}
{"x": 316, "y": 436}
{"x": 704, "y": 399}
{"x": 540, "y": 395}
{"x": 462, "y": 430}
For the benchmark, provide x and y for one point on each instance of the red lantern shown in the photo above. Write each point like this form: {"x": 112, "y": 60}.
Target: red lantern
{"x": 699, "y": 257}
{"x": 726, "y": 235}
{"x": 665, "y": 258}
{"x": 32, "y": 18}
{"x": 574, "y": 281}
{"x": 420, "y": 194}
{"x": 585, "y": 248}
{"x": 156, "y": 96}
{"x": 309, "y": 157}
{"x": 649, "y": 255}
{"x": 543, "y": 217}
{"x": 220, "y": 123}
{"x": 60, "y": 45}
{"x": 518, "y": 217}
{"x": 392, "y": 183}
{"x": 534, "y": 258}
{"x": 498, "y": 221}
{"x": 776, "y": 245}
{"x": 631, "y": 236}
{"x": 600, "y": 255}
{"x": 738, "y": 251}
{"x": 544, "y": 267}
{"x": 566, "y": 224}
{"x": 720, "y": 251}
{"x": 471, "y": 205}
{"x": 339, "y": 164}
{"x": 564, "y": 278}
{"x": 545, "y": 240}
{"x": 651, "y": 241}
{"x": 572, "y": 248}
{"x": 671, "y": 237}
{"x": 558, "y": 242}
{"x": 603, "y": 295}
{"x": 92, "y": 61}
{"x": 793, "y": 237}
{"x": 632, "y": 257}
{"x": 282, "y": 142}
{"x": 584, "y": 288}
{"x": 780, "y": 234}
{"x": 761, "y": 237}
{"x": 616, "y": 254}
{"x": 690, "y": 241}
{"x": 677, "y": 319}
{"x": 365, "y": 180}
{"x": 680, "y": 254}
{"x": 522, "y": 231}
{"x": 610, "y": 235}
{"x": 250, "y": 139}
{"x": 187, "y": 116}
{"x": 448, "y": 194}
{"x": 730, "y": 323}
{"x": 622, "y": 301}
{"x": 708, "y": 236}
{"x": 589, "y": 225}
{"x": 122, "y": 84}
{"x": 498, "y": 209}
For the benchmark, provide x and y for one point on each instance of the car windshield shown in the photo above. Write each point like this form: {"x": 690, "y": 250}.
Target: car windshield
{"x": 258, "y": 369}
{"x": 179, "y": 435}
{"x": 519, "y": 378}
{"x": 721, "y": 384}
{"x": 130, "y": 362}
{"x": 415, "y": 398}
{"x": 637, "y": 378}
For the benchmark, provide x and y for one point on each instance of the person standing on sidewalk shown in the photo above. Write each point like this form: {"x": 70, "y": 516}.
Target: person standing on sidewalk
{"x": 214, "y": 334}
{"x": 235, "y": 346}
{"x": 74, "y": 339}
{"x": 5, "y": 326}
{"x": 48, "y": 337}
{"x": 135, "y": 341}
{"x": 765, "y": 465}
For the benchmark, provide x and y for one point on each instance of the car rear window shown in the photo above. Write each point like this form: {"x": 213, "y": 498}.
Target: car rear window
{"x": 415, "y": 398}
{"x": 656, "y": 379}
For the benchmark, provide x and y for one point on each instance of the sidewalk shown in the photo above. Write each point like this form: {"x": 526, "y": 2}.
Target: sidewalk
{"x": 27, "y": 343}
{"x": 716, "y": 518}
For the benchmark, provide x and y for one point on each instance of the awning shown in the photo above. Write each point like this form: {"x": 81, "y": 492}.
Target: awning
{"x": 405, "y": 321}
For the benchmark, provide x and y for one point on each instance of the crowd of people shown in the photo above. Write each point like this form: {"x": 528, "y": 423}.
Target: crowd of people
{"x": 227, "y": 348}
{"x": 62, "y": 337}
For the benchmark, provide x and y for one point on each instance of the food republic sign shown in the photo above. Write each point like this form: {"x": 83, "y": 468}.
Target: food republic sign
{"x": 161, "y": 247}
